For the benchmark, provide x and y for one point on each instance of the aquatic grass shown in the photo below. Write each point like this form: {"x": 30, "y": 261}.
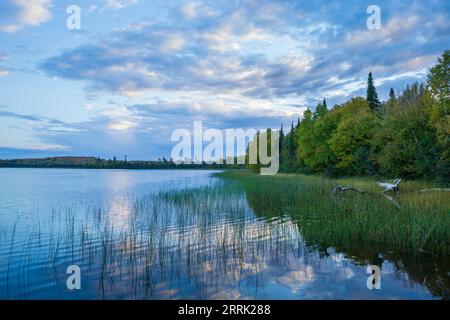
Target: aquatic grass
{"x": 208, "y": 242}
{"x": 422, "y": 223}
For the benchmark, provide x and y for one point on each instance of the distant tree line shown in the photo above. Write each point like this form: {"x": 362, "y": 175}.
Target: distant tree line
{"x": 406, "y": 136}
{"x": 114, "y": 163}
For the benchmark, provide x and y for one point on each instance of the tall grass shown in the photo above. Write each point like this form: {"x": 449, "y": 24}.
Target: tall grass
{"x": 410, "y": 221}
{"x": 200, "y": 243}
{"x": 223, "y": 240}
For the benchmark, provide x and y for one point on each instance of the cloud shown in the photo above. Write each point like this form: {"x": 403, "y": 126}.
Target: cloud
{"x": 10, "y": 114}
{"x": 33, "y": 12}
{"x": 190, "y": 10}
{"x": 9, "y": 28}
{"x": 399, "y": 29}
{"x": 264, "y": 50}
{"x": 41, "y": 123}
{"x": 3, "y": 71}
{"x": 195, "y": 9}
{"x": 232, "y": 64}
{"x": 144, "y": 130}
{"x": 169, "y": 57}
{"x": 31, "y": 152}
{"x": 120, "y": 4}
{"x": 22, "y": 13}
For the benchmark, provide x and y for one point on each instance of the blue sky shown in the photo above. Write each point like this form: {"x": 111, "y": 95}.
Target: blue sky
{"x": 139, "y": 69}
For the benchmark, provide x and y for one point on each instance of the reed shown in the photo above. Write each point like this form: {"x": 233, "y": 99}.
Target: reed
{"x": 420, "y": 223}
{"x": 221, "y": 240}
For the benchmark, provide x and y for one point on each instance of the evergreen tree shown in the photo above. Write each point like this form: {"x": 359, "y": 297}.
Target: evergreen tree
{"x": 321, "y": 110}
{"x": 391, "y": 102}
{"x": 281, "y": 143}
{"x": 392, "y": 95}
{"x": 372, "y": 96}
{"x": 292, "y": 142}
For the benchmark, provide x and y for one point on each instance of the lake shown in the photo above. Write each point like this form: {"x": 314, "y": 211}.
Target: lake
{"x": 180, "y": 234}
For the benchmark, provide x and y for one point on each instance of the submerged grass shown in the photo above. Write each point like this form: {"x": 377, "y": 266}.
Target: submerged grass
{"x": 206, "y": 242}
{"x": 201, "y": 242}
{"x": 410, "y": 221}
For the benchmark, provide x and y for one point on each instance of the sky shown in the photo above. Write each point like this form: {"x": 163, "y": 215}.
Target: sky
{"x": 137, "y": 70}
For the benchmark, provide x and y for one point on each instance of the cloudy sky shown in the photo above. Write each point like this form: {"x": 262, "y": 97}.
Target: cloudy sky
{"x": 137, "y": 70}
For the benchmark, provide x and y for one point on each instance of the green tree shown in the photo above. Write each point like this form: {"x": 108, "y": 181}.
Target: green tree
{"x": 281, "y": 144}
{"x": 392, "y": 95}
{"x": 438, "y": 110}
{"x": 405, "y": 143}
{"x": 321, "y": 110}
{"x": 305, "y": 150}
{"x": 372, "y": 96}
{"x": 351, "y": 141}
{"x": 292, "y": 143}
{"x": 313, "y": 151}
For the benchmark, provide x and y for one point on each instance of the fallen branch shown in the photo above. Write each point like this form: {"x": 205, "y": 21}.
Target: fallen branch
{"x": 435, "y": 189}
{"x": 390, "y": 186}
{"x": 394, "y": 202}
{"x": 340, "y": 189}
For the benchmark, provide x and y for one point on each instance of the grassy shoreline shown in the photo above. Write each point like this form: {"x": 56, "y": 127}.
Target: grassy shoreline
{"x": 420, "y": 224}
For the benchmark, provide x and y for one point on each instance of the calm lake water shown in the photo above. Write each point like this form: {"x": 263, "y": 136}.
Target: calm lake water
{"x": 170, "y": 234}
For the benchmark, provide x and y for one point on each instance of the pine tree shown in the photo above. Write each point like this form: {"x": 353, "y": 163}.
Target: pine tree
{"x": 372, "y": 96}
{"x": 292, "y": 141}
{"x": 281, "y": 134}
{"x": 281, "y": 143}
{"x": 321, "y": 110}
{"x": 392, "y": 99}
{"x": 392, "y": 94}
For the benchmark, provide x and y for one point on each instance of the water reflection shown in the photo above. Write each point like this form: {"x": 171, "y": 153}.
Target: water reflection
{"x": 204, "y": 242}
{"x": 404, "y": 275}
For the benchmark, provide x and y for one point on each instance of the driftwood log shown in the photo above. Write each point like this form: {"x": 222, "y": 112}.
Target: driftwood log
{"x": 387, "y": 187}
{"x": 435, "y": 189}
{"x": 340, "y": 189}
{"x": 390, "y": 186}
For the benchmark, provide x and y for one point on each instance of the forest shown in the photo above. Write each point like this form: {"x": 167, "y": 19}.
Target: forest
{"x": 406, "y": 136}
